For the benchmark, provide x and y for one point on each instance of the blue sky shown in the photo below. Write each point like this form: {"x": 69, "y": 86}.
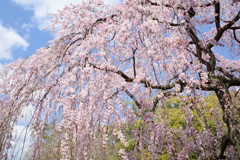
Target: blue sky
{"x": 22, "y": 23}
{"x": 20, "y": 34}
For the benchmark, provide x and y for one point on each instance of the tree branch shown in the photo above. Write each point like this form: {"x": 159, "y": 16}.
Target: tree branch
{"x": 217, "y": 14}
{"x": 133, "y": 98}
{"x": 146, "y": 83}
{"x": 134, "y": 63}
{"x": 235, "y": 35}
{"x": 223, "y": 29}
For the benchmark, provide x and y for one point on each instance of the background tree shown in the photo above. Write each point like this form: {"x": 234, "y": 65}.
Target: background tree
{"x": 104, "y": 55}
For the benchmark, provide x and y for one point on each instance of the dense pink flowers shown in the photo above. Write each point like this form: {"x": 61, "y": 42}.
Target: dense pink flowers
{"x": 109, "y": 66}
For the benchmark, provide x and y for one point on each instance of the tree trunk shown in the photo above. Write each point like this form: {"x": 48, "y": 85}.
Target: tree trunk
{"x": 225, "y": 101}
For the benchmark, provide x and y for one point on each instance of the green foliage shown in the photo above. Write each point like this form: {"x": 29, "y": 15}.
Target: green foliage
{"x": 131, "y": 144}
{"x": 145, "y": 155}
{"x": 172, "y": 117}
{"x": 164, "y": 157}
{"x": 138, "y": 124}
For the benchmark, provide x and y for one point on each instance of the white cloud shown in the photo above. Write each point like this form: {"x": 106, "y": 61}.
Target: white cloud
{"x": 27, "y": 28}
{"x": 22, "y": 141}
{"x": 26, "y": 115}
{"x": 1, "y": 70}
{"x": 42, "y": 8}
{"x": 1, "y": 67}
{"x": 9, "y": 41}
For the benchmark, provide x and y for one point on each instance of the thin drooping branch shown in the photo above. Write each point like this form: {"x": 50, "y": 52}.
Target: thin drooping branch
{"x": 133, "y": 98}
{"x": 155, "y": 73}
{"x": 134, "y": 63}
{"x": 155, "y": 104}
{"x": 114, "y": 94}
{"x": 234, "y": 34}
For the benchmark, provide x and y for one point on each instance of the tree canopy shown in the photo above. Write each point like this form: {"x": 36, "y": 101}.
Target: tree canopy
{"x": 143, "y": 51}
